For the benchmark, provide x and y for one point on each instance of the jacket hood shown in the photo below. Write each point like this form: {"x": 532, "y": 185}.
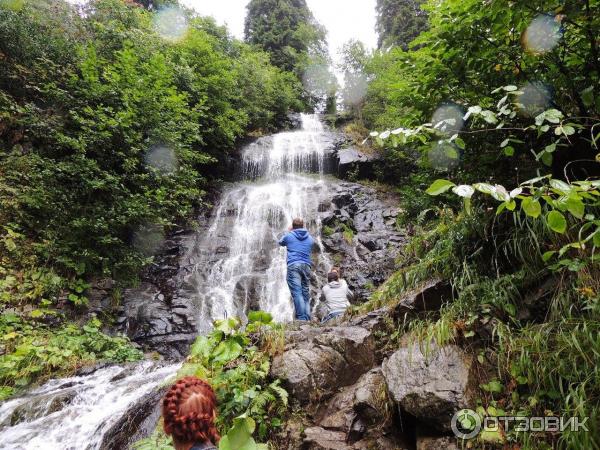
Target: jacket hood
{"x": 334, "y": 284}
{"x": 300, "y": 233}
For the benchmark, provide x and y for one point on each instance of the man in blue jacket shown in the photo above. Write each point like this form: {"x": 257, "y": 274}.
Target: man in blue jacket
{"x": 299, "y": 243}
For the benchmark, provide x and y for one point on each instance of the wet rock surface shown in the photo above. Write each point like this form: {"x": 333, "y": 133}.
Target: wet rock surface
{"x": 360, "y": 235}
{"x": 356, "y": 161}
{"x": 155, "y": 315}
{"x": 137, "y": 422}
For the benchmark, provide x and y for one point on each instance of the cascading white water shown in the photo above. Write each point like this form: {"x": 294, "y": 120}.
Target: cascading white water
{"x": 74, "y": 413}
{"x": 247, "y": 269}
{"x": 238, "y": 266}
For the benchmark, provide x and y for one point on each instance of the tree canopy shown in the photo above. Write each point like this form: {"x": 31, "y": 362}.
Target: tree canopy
{"x": 287, "y": 30}
{"x": 399, "y": 22}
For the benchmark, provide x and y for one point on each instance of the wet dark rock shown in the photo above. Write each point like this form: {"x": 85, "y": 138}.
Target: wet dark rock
{"x": 426, "y": 298}
{"x": 362, "y": 237}
{"x": 137, "y": 422}
{"x": 158, "y": 323}
{"x": 356, "y": 161}
{"x": 246, "y": 295}
{"x": 40, "y": 406}
{"x": 88, "y": 370}
{"x": 431, "y": 387}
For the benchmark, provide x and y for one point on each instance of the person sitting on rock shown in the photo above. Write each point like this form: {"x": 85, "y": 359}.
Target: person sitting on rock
{"x": 340, "y": 275}
{"x": 189, "y": 411}
{"x": 336, "y": 296}
{"x": 299, "y": 244}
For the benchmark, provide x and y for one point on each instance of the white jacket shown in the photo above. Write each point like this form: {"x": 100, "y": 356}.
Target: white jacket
{"x": 337, "y": 295}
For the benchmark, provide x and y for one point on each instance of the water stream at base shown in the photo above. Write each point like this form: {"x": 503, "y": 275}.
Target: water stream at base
{"x": 238, "y": 267}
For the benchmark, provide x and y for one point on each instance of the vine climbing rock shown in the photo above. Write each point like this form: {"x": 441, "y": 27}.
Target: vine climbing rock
{"x": 433, "y": 385}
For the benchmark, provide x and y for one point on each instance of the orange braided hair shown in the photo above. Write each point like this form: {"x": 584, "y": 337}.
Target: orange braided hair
{"x": 189, "y": 411}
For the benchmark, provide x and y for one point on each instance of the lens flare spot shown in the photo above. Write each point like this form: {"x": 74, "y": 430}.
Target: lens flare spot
{"x": 148, "y": 239}
{"x": 355, "y": 89}
{"x": 162, "y": 158}
{"x": 171, "y": 24}
{"x": 543, "y": 34}
{"x": 535, "y": 98}
{"x": 318, "y": 80}
{"x": 444, "y": 156}
{"x": 449, "y": 119}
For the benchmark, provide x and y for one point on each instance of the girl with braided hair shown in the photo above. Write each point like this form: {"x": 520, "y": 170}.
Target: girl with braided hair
{"x": 189, "y": 414}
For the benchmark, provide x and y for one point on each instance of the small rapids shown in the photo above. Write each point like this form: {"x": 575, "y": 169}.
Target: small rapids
{"x": 238, "y": 267}
{"x": 75, "y": 413}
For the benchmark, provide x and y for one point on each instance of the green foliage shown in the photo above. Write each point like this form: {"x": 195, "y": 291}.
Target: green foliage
{"x": 109, "y": 133}
{"x": 236, "y": 363}
{"x": 31, "y": 351}
{"x": 399, "y": 22}
{"x": 287, "y": 30}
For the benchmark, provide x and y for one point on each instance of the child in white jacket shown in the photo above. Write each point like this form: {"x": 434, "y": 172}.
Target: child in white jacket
{"x": 336, "y": 294}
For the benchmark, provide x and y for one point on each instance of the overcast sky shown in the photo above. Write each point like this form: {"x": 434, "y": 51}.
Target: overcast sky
{"x": 343, "y": 19}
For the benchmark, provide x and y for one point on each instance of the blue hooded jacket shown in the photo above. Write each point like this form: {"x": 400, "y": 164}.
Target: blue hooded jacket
{"x": 299, "y": 245}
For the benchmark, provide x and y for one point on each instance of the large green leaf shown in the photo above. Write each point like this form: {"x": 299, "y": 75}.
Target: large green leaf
{"x": 240, "y": 436}
{"x": 261, "y": 317}
{"x": 575, "y": 206}
{"x": 531, "y": 207}
{"x": 226, "y": 351}
{"x": 556, "y": 221}
{"x": 439, "y": 187}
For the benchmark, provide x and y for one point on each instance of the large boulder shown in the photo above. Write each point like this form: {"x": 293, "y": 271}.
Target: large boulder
{"x": 356, "y": 161}
{"x": 317, "y": 364}
{"x": 359, "y": 408}
{"x": 428, "y": 297}
{"x": 433, "y": 385}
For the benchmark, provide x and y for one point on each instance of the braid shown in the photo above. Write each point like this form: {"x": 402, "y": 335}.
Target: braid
{"x": 189, "y": 408}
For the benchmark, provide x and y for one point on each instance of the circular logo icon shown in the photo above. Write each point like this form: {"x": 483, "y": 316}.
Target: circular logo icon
{"x": 466, "y": 424}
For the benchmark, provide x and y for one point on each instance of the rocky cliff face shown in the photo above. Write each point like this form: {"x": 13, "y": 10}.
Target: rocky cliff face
{"x": 359, "y": 234}
{"x": 355, "y": 396}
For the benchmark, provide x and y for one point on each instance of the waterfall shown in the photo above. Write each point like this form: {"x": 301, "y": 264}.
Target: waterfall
{"x": 238, "y": 266}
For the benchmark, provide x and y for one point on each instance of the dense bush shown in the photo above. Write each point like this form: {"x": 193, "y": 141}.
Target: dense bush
{"x": 109, "y": 129}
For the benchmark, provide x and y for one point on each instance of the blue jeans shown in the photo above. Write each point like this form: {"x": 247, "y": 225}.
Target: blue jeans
{"x": 332, "y": 315}
{"x": 298, "y": 279}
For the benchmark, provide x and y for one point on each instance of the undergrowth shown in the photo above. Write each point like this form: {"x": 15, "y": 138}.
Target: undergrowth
{"x": 236, "y": 363}
{"x": 33, "y": 352}
{"x": 533, "y": 328}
